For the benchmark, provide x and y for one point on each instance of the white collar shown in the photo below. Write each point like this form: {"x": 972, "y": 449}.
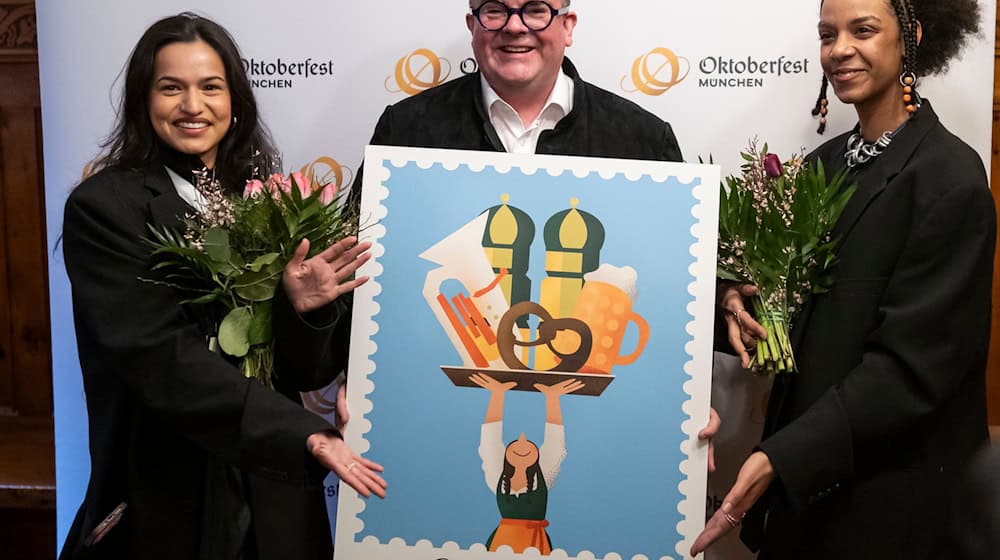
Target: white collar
{"x": 561, "y": 96}
{"x": 186, "y": 190}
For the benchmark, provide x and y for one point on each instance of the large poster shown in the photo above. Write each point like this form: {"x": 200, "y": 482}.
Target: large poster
{"x": 531, "y": 360}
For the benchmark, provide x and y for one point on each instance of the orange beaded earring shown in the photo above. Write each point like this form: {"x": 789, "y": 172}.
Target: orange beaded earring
{"x": 910, "y": 96}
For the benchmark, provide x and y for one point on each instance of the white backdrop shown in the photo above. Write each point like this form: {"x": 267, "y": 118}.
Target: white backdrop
{"x": 698, "y": 61}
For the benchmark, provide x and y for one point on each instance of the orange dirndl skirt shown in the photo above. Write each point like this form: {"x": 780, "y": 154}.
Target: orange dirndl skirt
{"x": 520, "y": 534}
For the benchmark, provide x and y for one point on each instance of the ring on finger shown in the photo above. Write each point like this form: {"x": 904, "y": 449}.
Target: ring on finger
{"x": 731, "y": 519}
{"x": 736, "y": 314}
{"x": 351, "y": 466}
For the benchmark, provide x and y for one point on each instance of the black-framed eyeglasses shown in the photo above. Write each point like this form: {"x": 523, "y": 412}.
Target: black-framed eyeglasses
{"x": 536, "y": 15}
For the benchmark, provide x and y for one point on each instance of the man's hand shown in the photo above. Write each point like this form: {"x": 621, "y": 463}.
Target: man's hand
{"x": 359, "y": 473}
{"x": 314, "y": 282}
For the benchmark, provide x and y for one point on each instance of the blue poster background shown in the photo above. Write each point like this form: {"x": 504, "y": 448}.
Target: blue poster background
{"x": 618, "y": 487}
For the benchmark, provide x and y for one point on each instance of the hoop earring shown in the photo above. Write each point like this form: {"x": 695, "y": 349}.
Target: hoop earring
{"x": 911, "y": 99}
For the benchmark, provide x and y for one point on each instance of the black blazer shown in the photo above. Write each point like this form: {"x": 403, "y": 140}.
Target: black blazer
{"x": 200, "y": 454}
{"x": 601, "y": 124}
{"x": 889, "y": 401}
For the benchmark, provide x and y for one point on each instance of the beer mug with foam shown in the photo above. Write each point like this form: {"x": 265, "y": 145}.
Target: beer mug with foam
{"x": 606, "y": 307}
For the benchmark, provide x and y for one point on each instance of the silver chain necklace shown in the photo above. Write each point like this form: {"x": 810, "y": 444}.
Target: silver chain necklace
{"x": 860, "y": 152}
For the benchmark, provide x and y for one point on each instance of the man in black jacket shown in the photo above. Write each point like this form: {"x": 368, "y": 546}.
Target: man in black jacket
{"x": 526, "y": 97}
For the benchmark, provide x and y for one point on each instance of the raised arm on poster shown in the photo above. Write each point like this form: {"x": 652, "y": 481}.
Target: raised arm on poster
{"x": 472, "y": 288}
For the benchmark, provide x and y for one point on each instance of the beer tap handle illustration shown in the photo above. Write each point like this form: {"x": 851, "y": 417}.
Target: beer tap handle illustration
{"x": 471, "y": 319}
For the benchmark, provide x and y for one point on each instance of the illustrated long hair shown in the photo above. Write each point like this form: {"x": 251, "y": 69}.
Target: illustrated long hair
{"x": 533, "y": 471}
{"x": 246, "y": 147}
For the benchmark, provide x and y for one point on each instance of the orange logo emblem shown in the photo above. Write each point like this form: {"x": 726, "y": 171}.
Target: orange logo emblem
{"x": 655, "y": 72}
{"x": 325, "y": 170}
{"x": 417, "y": 71}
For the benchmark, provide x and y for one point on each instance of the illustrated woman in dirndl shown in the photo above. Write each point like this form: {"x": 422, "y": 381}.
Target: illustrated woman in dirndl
{"x": 522, "y": 473}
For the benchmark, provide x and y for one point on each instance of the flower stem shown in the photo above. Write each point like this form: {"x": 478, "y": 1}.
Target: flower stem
{"x": 774, "y": 355}
{"x": 258, "y": 362}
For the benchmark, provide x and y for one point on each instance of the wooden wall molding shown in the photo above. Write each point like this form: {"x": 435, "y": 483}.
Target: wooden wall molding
{"x": 18, "y": 30}
{"x": 25, "y": 346}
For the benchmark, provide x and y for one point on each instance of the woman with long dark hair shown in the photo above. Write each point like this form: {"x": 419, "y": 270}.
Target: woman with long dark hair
{"x": 522, "y": 473}
{"x": 864, "y": 443}
{"x": 189, "y": 458}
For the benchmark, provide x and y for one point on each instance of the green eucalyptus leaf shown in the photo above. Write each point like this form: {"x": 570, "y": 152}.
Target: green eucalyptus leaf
{"x": 217, "y": 245}
{"x": 234, "y": 332}
{"x": 237, "y": 260}
{"x": 207, "y": 298}
{"x": 260, "y": 262}
{"x": 227, "y": 270}
{"x": 256, "y": 286}
{"x": 260, "y": 326}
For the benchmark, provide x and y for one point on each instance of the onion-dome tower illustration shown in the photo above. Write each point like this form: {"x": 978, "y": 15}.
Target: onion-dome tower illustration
{"x": 573, "y": 241}
{"x": 507, "y": 243}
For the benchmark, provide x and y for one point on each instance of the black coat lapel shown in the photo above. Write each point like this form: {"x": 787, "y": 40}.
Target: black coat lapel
{"x": 166, "y": 208}
{"x": 873, "y": 180}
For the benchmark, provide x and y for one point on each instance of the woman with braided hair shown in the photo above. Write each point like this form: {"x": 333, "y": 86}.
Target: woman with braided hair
{"x": 864, "y": 443}
{"x": 521, "y": 473}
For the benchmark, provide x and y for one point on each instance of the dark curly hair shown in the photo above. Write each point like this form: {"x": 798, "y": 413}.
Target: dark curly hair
{"x": 947, "y": 27}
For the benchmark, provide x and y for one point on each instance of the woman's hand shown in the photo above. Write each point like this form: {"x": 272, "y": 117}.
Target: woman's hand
{"x": 553, "y": 412}
{"x": 744, "y": 331}
{"x": 315, "y": 282}
{"x": 342, "y": 415}
{"x": 559, "y": 389}
{"x": 755, "y": 476}
{"x": 490, "y": 384}
{"x": 494, "y": 409}
{"x": 708, "y": 432}
{"x": 359, "y": 473}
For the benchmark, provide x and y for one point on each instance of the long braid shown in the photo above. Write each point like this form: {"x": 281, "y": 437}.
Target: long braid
{"x": 820, "y": 109}
{"x": 907, "y": 17}
{"x": 907, "y": 25}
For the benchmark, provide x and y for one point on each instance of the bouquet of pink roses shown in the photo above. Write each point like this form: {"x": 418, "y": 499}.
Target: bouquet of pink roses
{"x": 233, "y": 252}
{"x": 775, "y": 232}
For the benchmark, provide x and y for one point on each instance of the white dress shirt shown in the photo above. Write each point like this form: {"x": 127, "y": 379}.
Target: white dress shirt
{"x": 515, "y": 136}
